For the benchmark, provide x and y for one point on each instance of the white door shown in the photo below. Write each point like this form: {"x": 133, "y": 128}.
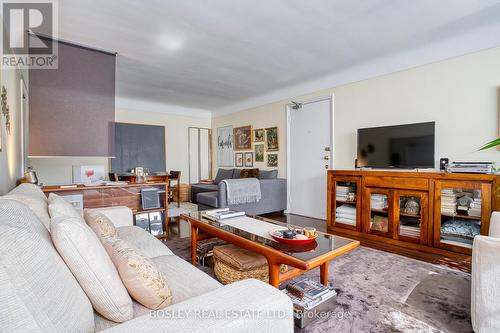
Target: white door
{"x": 310, "y": 142}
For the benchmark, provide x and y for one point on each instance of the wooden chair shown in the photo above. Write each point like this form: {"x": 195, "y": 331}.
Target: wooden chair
{"x": 174, "y": 189}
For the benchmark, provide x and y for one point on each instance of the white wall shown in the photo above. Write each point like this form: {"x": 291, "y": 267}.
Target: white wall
{"x": 459, "y": 94}
{"x": 11, "y": 154}
{"x": 59, "y": 171}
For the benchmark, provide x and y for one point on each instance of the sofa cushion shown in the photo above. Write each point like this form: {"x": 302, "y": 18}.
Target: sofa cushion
{"x": 236, "y": 173}
{"x": 249, "y": 173}
{"x": 208, "y": 199}
{"x": 144, "y": 282}
{"x": 85, "y": 256}
{"x": 32, "y": 196}
{"x": 204, "y": 187}
{"x": 143, "y": 242}
{"x": 58, "y": 206}
{"x": 268, "y": 174}
{"x": 223, "y": 174}
{"x": 99, "y": 223}
{"x": 38, "y": 292}
{"x": 184, "y": 279}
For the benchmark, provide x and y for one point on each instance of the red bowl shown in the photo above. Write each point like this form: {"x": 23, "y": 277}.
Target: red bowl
{"x": 291, "y": 241}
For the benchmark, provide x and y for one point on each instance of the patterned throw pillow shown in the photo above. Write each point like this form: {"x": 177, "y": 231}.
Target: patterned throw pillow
{"x": 100, "y": 223}
{"x": 249, "y": 173}
{"x": 143, "y": 280}
{"x": 58, "y": 206}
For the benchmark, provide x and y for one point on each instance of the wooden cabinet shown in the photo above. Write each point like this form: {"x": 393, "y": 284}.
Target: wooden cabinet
{"x": 424, "y": 211}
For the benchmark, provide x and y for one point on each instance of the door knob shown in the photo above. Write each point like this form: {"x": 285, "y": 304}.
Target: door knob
{"x": 327, "y": 148}
{"x": 326, "y": 158}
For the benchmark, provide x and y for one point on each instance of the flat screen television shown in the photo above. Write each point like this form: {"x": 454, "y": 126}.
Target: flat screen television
{"x": 407, "y": 146}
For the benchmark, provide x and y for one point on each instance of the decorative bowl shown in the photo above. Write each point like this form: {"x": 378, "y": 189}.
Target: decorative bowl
{"x": 277, "y": 235}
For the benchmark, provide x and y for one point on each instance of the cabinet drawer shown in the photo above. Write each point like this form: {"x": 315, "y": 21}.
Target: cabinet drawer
{"x": 397, "y": 182}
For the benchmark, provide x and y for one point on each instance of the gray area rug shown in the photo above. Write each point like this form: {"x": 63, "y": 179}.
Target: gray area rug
{"x": 384, "y": 292}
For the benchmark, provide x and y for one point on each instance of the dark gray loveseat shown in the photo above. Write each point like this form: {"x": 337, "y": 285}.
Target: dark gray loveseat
{"x": 273, "y": 191}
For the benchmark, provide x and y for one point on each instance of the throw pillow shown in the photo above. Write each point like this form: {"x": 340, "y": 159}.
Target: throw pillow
{"x": 37, "y": 205}
{"x": 87, "y": 259}
{"x": 249, "y": 173}
{"x": 100, "y": 223}
{"x": 268, "y": 174}
{"x": 223, "y": 174}
{"x": 58, "y": 206}
{"x": 141, "y": 277}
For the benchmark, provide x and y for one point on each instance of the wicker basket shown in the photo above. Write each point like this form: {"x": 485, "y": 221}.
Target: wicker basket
{"x": 227, "y": 274}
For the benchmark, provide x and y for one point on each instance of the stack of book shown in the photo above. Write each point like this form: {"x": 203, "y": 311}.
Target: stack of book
{"x": 409, "y": 228}
{"x": 378, "y": 201}
{"x": 343, "y": 192}
{"x": 307, "y": 294}
{"x": 475, "y": 207}
{"x": 346, "y": 214}
{"x": 221, "y": 214}
{"x": 448, "y": 202}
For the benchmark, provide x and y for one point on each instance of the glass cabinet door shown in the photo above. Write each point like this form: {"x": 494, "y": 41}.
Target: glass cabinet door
{"x": 378, "y": 204}
{"x": 412, "y": 216}
{"x": 462, "y": 213}
{"x": 347, "y": 202}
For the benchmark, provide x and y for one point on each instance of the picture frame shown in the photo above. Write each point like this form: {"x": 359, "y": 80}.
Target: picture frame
{"x": 238, "y": 160}
{"x": 272, "y": 160}
{"x": 242, "y": 138}
{"x": 156, "y": 223}
{"x": 142, "y": 221}
{"x": 259, "y": 135}
{"x": 225, "y": 145}
{"x": 272, "y": 142}
{"x": 249, "y": 159}
{"x": 85, "y": 174}
{"x": 259, "y": 153}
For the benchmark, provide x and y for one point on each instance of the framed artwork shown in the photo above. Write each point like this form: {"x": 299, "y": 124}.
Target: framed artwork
{"x": 259, "y": 153}
{"x": 259, "y": 135}
{"x": 243, "y": 138}
{"x": 225, "y": 146}
{"x": 272, "y": 160}
{"x": 238, "y": 159}
{"x": 85, "y": 174}
{"x": 272, "y": 139}
{"x": 156, "y": 223}
{"x": 249, "y": 159}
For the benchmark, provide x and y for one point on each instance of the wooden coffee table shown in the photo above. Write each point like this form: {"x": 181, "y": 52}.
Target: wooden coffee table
{"x": 252, "y": 234}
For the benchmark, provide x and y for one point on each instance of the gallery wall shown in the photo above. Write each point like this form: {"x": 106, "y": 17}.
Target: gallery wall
{"x": 460, "y": 94}
{"x": 266, "y": 116}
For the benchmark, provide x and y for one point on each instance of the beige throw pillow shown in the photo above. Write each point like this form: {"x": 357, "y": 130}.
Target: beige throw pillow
{"x": 100, "y": 223}
{"x": 87, "y": 259}
{"x": 58, "y": 206}
{"x": 141, "y": 277}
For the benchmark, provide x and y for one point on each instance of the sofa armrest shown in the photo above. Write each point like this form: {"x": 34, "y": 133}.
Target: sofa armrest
{"x": 485, "y": 292}
{"x": 244, "y": 306}
{"x": 121, "y": 216}
{"x": 495, "y": 225}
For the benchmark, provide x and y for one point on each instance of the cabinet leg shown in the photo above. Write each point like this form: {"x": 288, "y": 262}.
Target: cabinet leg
{"x": 323, "y": 273}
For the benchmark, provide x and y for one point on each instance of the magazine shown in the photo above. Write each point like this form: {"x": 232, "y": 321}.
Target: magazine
{"x": 221, "y": 214}
{"x": 309, "y": 288}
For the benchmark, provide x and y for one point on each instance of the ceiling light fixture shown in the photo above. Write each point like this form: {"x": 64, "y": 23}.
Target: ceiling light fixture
{"x": 170, "y": 43}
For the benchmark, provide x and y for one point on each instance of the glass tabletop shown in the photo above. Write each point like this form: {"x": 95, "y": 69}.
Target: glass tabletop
{"x": 323, "y": 244}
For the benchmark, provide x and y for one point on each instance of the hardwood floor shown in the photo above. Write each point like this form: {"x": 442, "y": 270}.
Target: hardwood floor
{"x": 181, "y": 229}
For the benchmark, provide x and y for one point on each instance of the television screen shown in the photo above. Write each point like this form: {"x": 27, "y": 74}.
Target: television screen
{"x": 403, "y": 146}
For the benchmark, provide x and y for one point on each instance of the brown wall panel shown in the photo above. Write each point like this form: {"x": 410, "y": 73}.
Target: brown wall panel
{"x": 72, "y": 108}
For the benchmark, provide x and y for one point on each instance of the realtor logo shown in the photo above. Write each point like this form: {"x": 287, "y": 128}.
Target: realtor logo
{"x": 29, "y": 34}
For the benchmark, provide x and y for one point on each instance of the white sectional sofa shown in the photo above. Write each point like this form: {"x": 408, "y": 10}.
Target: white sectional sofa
{"x": 485, "y": 279}
{"x": 38, "y": 293}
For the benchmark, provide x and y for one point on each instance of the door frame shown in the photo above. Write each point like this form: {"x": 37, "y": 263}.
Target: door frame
{"x": 288, "y": 106}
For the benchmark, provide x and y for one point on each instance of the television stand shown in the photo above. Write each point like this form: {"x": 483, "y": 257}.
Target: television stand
{"x": 412, "y": 210}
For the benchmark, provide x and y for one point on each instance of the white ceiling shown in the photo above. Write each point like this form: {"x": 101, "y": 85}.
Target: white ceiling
{"x": 223, "y": 55}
